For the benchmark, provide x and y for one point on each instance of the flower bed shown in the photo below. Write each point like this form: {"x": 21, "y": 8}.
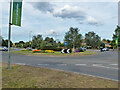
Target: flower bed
{"x": 49, "y": 51}
{"x": 37, "y": 51}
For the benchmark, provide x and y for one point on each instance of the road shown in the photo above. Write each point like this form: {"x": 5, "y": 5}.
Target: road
{"x": 104, "y": 65}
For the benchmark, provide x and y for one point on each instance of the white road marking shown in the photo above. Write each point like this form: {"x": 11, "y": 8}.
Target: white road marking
{"x": 62, "y": 64}
{"x": 96, "y": 64}
{"x": 113, "y": 64}
{"x": 20, "y": 63}
{"x": 100, "y": 65}
{"x": 80, "y": 64}
{"x": 42, "y": 64}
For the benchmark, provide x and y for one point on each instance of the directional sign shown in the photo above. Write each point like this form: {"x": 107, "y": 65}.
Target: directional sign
{"x": 66, "y": 51}
{"x": 66, "y": 43}
{"x": 116, "y": 40}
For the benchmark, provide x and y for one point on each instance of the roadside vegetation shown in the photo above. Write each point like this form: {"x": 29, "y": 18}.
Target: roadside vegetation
{"x": 73, "y": 38}
{"x": 56, "y": 53}
{"x": 35, "y": 77}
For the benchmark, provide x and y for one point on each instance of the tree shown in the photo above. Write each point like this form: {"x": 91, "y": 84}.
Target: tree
{"x": 73, "y": 38}
{"x": 36, "y": 41}
{"x": 26, "y": 45}
{"x": 92, "y": 40}
{"x": 108, "y": 41}
{"x": 21, "y": 42}
{"x": 50, "y": 42}
{"x": 5, "y": 43}
{"x": 116, "y": 35}
{"x": 104, "y": 40}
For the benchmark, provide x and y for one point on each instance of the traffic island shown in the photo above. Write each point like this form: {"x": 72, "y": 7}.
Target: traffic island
{"x": 86, "y": 53}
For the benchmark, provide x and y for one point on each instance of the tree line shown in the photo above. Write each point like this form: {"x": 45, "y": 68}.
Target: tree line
{"x": 73, "y": 38}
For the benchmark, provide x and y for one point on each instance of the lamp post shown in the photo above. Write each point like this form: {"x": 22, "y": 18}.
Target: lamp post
{"x": 9, "y": 34}
{"x": 30, "y": 38}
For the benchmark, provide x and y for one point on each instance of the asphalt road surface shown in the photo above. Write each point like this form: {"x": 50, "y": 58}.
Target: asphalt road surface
{"x": 104, "y": 65}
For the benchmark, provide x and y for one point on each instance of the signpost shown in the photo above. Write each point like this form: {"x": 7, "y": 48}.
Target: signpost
{"x": 9, "y": 35}
{"x": 116, "y": 41}
{"x": 16, "y": 20}
{"x": 66, "y": 43}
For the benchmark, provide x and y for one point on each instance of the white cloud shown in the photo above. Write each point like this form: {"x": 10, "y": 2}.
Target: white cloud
{"x": 43, "y": 6}
{"x": 52, "y": 33}
{"x": 67, "y": 11}
{"x": 70, "y": 12}
{"x": 92, "y": 21}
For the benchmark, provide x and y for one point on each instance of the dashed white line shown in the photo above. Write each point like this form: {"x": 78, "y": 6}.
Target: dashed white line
{"x": 42, "y": 64}
{"x": 80, "y": 64}
{"x": 114, "y": 64}
{"x": 62, "y": 64}
{"x": 98, "y": 65}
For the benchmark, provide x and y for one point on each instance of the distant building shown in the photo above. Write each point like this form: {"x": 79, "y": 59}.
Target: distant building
{"x": 107, "y": 44}
{"x": 83, "y": 44}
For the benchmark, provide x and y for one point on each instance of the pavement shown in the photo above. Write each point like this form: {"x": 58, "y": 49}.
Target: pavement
{"x": 104, "y": 65}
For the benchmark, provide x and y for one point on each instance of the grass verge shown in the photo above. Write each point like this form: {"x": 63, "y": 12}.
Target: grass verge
{"x": 34, "y": 77}
{"x": 54, "y": 54}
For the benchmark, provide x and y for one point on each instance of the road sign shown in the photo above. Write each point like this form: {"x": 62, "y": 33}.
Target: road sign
{"x": 66, "y": 43}
{"x": 116, "y": 40}
{"x": 17, "y": 11}
{"x": 66, "y": 51}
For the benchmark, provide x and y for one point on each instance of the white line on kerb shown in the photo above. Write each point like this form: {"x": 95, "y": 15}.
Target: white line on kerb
{"x": 80, "y": 64}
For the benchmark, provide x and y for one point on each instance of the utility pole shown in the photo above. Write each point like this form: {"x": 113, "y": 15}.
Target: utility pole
{"x": 73, "y": 43}
{"x": 30, "y": 38}
{"x": 9, "y": 35}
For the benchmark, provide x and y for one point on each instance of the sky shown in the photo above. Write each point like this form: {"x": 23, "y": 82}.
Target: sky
{"x": 54, "y": 19}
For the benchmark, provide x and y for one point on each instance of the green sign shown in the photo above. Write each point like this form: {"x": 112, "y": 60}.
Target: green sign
{"x": 17, "y": 11}
{"x": 116, "y": 40}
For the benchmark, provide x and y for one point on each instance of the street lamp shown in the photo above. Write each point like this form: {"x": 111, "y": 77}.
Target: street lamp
{"x": 30, "y": 38}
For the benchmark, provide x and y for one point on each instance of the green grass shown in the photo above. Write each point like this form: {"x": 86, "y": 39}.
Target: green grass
{"x": 34, "y": 77}
{"x": 54, "y": 54}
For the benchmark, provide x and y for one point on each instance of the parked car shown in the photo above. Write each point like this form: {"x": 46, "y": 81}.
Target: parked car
{"x": 79, "y": 50}
{"x": 84, "y": 49}
{"x": 105, "y": 49}
{"x": 5, "y": 49}
{"x": 29, "y": 48}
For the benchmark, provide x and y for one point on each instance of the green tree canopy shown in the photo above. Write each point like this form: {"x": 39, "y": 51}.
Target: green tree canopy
{"x": 73, "y": 38}
{"x": 36, "y": 41}
{"x": 49, "y": 41}
{"x": 116, "y": 35}
{"x": 5, "y": 43}
{"x": 92, "y": 40}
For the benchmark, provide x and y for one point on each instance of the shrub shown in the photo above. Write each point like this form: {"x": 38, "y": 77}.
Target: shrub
{"x": 49, "y": 51}
{"x": 24, "y": 50}
{"x": 36, "y": 51}
{"x": 51, "y": 48}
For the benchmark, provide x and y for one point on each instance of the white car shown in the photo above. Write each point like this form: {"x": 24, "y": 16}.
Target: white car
{"x": 105, "y": 49}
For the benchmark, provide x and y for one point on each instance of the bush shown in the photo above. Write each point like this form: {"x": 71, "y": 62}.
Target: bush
{"x": 49, "y": 51}
{"x": 51, "y": 48}
{"x": 24, "y": 50}
{"x": 36, "y": 51}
